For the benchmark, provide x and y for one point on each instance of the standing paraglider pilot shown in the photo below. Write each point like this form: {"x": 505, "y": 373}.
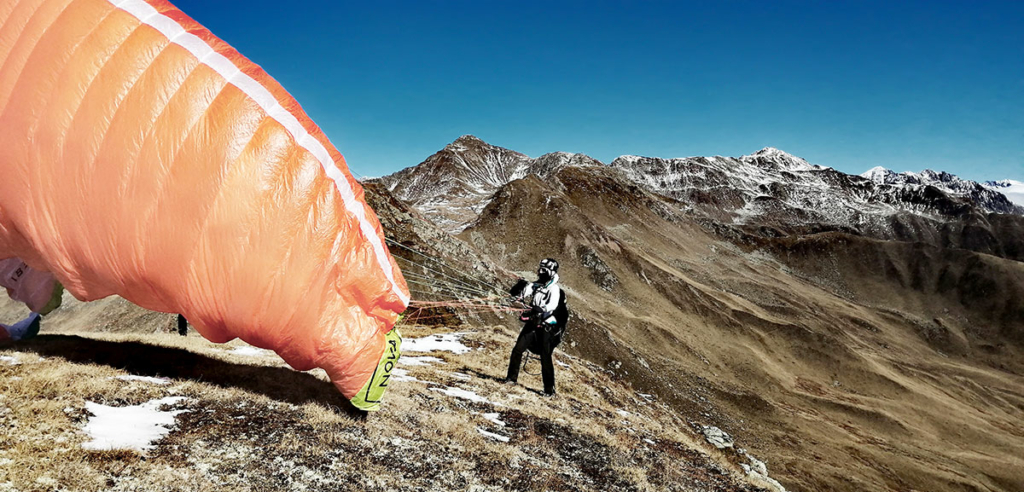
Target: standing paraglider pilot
{"x": 544, "y": 322}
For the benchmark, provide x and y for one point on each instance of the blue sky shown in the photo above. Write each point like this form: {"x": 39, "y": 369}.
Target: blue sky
{"x": 851, "y": 85}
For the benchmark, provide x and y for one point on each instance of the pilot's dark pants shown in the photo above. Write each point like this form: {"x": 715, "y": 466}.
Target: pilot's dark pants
{"x": 182, "y": 325}
{"x": 541, "y": 342}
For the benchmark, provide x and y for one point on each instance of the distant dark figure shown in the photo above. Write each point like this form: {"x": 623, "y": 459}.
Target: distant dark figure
{"x": 182, "y": 325}
{"x": 544, "y": 322}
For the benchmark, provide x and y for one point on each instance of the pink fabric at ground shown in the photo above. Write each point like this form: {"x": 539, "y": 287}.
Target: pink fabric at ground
{"x": 26, "y": 284}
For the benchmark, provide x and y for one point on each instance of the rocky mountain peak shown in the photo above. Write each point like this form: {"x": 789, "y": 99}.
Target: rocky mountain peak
{"x": 452, "y": 186}
{"x": 626, "y": 160}
{"x": 464, "y": 143}
{"x": 773, "y": 152}
{"x": 781, "y": 159}
{"x": 548, "y": 164}
{"x": 877, "y": 174}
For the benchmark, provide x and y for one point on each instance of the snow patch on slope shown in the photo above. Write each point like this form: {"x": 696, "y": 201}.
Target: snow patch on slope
{"x": 135, "y": 427}
{"x": 447, "y": 342}
{"x": 464, "y": 394}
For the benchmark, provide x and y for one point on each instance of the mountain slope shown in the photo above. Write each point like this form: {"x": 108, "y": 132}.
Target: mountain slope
{"x": 811, "y": 348}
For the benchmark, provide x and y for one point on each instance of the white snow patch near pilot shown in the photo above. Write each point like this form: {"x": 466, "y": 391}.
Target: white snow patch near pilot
{"x": 442, "y": 342}
{"x": 134, "y": 427}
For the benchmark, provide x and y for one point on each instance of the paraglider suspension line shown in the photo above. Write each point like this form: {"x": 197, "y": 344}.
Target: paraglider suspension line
{"x": 530, "y": 355}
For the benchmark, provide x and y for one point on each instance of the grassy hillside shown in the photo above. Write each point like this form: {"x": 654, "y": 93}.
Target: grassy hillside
{"x": 247, "y": 422}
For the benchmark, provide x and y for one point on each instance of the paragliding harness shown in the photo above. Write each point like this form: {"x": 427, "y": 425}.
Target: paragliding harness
{"x": 532, "y": 320}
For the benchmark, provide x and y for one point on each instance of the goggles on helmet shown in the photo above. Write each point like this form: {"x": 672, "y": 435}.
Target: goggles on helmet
{"x": 547, "y": 267}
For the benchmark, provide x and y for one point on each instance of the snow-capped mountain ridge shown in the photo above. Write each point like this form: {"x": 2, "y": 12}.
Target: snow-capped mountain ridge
{"x": 771, "y": 187}
{"x": 985, "y": 194}
{"x": 939, "y": 179}
{"x": 768, "y": 187}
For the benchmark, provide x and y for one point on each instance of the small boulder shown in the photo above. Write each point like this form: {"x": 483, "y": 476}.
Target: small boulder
{"x": 717, "y": 437}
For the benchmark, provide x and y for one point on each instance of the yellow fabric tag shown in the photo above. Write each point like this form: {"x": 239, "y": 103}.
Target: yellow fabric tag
{"x": 372, "y": 392}
{"x": 55, "y": 299}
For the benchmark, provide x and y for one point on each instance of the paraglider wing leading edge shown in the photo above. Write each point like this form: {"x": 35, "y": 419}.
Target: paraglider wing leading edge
{"x": 142, "y": 156}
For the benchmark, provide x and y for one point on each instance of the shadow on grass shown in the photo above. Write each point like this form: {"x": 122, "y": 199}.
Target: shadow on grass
{"x": 483, "y": 375}
{"x": 278, "y": 383}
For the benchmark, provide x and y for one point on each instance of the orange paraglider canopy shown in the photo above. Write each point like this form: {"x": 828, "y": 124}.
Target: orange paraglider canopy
{"x": 144, "y": 157}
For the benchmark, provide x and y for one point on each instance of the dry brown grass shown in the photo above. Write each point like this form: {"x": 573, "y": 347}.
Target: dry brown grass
{"x": 252, "y": 424}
